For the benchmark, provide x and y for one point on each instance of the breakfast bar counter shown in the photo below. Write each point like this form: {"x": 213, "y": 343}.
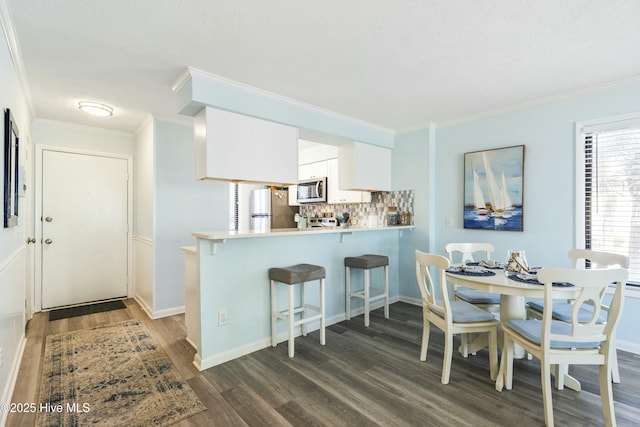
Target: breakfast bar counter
{"x": 231, "y": 298}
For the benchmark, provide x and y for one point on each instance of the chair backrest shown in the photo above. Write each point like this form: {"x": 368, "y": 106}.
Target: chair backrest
{"x": 466, "y": 251}
{"x": 598, "y": 259}
{"x": 591, "y": 284}
{"x": 437, "y": 263}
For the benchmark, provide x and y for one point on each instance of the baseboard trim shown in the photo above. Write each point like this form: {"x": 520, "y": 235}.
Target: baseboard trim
{"x": 168, "y": 312}
{"x": 409, "y": 300}
{"x": 13, "y": 378}
{"x": 159, "y": 313}
{"x": 209, "y": 362}
{"x": 628, "y": 346}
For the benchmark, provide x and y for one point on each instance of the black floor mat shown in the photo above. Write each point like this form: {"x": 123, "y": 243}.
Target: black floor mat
{"x": 65, "y": 313}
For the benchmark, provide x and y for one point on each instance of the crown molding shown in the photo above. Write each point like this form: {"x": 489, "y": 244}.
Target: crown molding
{"x": 542, "y": 101}
{"x": 15, "y": 52}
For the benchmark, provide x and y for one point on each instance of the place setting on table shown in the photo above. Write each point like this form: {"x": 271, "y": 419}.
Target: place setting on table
{"x": 515, "y": 268}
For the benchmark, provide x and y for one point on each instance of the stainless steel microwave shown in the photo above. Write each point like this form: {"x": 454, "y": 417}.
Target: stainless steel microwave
{"x": 312, "y": 190}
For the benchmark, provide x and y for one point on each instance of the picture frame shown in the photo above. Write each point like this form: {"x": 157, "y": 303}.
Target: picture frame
{"x": 11, "y": 170}
{"x": 494, "y": 189}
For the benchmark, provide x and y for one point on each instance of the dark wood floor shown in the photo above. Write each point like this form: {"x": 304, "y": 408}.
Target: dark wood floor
{"x": 363, "y": 376}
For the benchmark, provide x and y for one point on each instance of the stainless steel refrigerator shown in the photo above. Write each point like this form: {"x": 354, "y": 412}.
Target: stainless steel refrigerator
{"x": 270, "y": 209}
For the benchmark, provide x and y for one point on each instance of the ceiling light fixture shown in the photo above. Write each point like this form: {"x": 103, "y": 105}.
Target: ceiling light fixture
{"x": 95, "y": 108}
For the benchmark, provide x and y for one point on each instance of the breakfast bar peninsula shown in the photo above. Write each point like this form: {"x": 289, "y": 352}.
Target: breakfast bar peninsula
{"x": 228, "y": 296}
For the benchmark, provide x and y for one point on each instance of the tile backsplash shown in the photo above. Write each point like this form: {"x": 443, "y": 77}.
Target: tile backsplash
{"x": 360, "y": 212}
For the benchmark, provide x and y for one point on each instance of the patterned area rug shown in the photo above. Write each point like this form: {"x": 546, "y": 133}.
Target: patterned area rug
{"x": 113, "y": 375}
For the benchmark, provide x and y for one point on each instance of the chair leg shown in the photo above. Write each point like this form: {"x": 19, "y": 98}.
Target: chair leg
{"x": 322, "y": 321}
{"x": 274, "y": 319}
{"x": 347, "y": 281}
{"x": 606, "y": 394}
{"x": 493, "y": 353}
{"x": 304, "y": 310}
{"x": 367, "y": 303}
{"x": 448, "y": 355}
{"x": 507, "y": 359}
{"x": 545, "y": 376}
{"x": 464, "y": 343}
{"x": 386, "y": 291}
{"x": 426, "y": 328}
{"x": 560, "y": 371}
{"x": 290, "y": 319}
{"x": 615, "y": 371}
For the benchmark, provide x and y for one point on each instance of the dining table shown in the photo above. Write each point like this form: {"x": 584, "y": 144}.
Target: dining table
{"x": 513, "y": 293}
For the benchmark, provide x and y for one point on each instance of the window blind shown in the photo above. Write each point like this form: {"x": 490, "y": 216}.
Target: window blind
{"x": 612, "y": 194}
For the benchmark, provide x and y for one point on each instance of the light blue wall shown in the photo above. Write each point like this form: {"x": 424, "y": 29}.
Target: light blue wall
{"x": 548, "y": 132}
{"x": 410, "y": 171}
{"x": 182, "y": 206}
{"x": 235, "y": 280}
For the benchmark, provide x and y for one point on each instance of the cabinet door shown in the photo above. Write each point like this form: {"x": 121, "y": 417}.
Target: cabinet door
{"x": 313, "y": 170}
{"x": 293, "y": 195}
{"x": 223, "y": 141}
{"x": 335, "y": 195}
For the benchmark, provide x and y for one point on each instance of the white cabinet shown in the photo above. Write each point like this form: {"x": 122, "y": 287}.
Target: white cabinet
{"x": 293, "y": 195}
{"x": 365, "y": 167}
{"x": 313, "y": 170}
{"x": 335, "y": 195}
{"x": 234, "y": 147}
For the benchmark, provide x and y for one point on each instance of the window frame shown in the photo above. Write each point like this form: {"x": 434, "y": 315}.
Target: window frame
{"x": 581, "y": 129}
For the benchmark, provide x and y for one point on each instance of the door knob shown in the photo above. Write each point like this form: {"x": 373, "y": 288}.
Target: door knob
{"x": 31, "y": 240}
{"x": 48, "y": 241}
{"x": 48, "y": 219}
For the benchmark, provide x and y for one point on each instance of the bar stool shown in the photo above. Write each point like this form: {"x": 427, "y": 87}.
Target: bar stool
{"x": 294, "y": 275}
{"x": 366, "y": 263}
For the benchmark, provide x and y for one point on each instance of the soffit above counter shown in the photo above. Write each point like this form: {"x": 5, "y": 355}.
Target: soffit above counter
{"x": 196, "y": 89}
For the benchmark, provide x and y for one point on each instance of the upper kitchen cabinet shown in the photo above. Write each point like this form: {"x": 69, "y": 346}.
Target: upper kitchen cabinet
{"x": 364, "y": 167}
{"x": 313, "y": 170}
{"x": 234, "y": 147}
{"x": 335, "y": 195}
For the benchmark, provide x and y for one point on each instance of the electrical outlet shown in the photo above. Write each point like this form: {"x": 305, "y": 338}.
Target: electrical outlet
{"x": 223, "y": 318}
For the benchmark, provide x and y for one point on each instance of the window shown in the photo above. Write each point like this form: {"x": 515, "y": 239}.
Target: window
{"x": 609, "y": 189}
{"x": 234, "y": 206}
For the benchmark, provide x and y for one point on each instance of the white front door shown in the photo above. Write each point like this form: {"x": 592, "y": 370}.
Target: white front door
{"x": 84, "y": 228}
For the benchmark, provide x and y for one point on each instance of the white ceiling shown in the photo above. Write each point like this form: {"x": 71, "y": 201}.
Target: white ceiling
{"x": 397, "y": 64}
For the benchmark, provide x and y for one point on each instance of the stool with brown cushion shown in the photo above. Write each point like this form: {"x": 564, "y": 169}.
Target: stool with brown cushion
{"x": 294, "y": 275}
{"x": 366, "y": 263}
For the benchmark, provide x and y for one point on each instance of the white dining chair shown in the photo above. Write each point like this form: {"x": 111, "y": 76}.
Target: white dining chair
{"x": 452, "y": 317}
{"x": 461, "y": 253}
{"x": 579, "y": 341}
{"x": 562, "y": 309}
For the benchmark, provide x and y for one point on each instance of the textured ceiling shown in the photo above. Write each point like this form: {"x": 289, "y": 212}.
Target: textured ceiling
{"x": 398, "y": 64}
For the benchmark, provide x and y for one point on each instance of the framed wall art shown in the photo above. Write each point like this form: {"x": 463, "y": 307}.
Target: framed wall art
{"x": 11, "y": 170}
{"x": 494, "y": 189}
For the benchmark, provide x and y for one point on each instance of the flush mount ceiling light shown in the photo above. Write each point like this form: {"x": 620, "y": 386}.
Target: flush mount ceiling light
{"x": 95, "y": 108}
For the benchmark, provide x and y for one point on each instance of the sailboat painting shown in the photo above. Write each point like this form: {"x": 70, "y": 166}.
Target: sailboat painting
{"x": 493, "y": 189}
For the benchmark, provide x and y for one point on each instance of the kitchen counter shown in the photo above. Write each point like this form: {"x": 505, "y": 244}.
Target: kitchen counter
{"x": 218, "y": 235}
{"x": 231, "y": 302}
